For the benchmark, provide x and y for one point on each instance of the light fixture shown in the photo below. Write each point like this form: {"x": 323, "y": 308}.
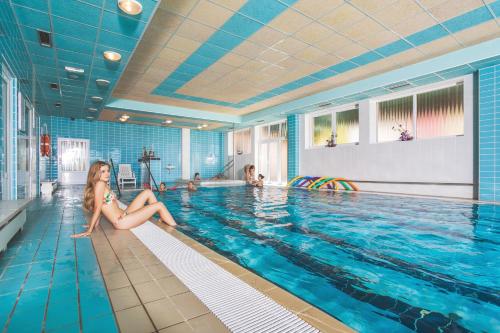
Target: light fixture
{"x": 74, "y": 70}
{"x": 92, "y": 109}
{"x": 44, "y": 38}
{"x": 125, "y": 116}
{"x": 102, "y": 82}
{"x": 96, "y": 99}
{"x": 90, "y": 118}
{"x": 57, "y": 105}
{"x": 112, "y": 56}
{"x": 204, "y": 125}
{"x": 200, "y": 127}
{"x": 54, "y": 86}
{"x": 131, "y": 7}
{"x": 168, "y": 121}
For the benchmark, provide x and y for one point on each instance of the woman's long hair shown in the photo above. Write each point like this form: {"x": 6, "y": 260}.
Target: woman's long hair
{"x": 92, "y": 178}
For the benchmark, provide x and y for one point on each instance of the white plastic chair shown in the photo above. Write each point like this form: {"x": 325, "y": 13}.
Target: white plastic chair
{"x": 125, "y": 175}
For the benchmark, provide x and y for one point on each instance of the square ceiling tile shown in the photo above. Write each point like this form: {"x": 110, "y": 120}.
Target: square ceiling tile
{"x": 414, "y": 24}
{"x": 117, "y": 41}
{"x": 166, "y": 21}
{"x": 398, "y": 12}
{"x": 361, "y": 29}
{"x": 171, "y": 54}
{"x": 272, "y": 56}
{"x": 234, "y": 59}
{"x": 71, "y": 29}
{"x": 451, "y": 8}
{"x": 210, "y": 14}
{"x": 378, "y": 39}
{"x": 254, "y": 65}
{"x": 73, "y": 44}
{"x": 241, "y": 26}
{"x": 40, "y": 5}
{"x": 249, "y": 49}
{"x": 290, "y": 22}
{"x": 32, "y": 18}
{"x": 342, "y": 16}
{"x": 73, "y": 9}
{"x": 370, "y": 6}
{"x": 313, "y": 33}
{"x": 121, "y": 24}
{"x": 181, "y": 7}
{"x": 290, "y": 45}
{"x": 316, "y": 8}
{"x": 310, "y": 54}
{"x": 231, "y": 4}
{"x": 479, "y": 33}
{"x": 183, "y": 44}
{"x": 267, "y": 37}
{"x": 194, "y": 30}
{"x": 156, "y": 36}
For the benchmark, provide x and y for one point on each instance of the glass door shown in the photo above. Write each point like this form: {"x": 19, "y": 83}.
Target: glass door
{"x": 273, "y": 153}
{"x": 73, "y": 160}
{"x": 5, "y": 129}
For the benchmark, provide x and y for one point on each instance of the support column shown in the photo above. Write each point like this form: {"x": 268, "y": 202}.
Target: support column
{"x": 186, "y": 153}
{"x": 293, "y": 145}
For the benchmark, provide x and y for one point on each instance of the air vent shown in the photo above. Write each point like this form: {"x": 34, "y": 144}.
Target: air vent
{"x": 259, "y": 121}
{"x": 45, "y": 38}
{"x": 324, "y": 105}
{"x": 74, "y": 70}
{"x": 54, "y": 86}
{"x": 399, "y": 86}
{"x": 57, "y": 105}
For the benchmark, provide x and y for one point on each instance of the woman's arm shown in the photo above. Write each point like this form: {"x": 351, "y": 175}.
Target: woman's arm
{"x": 98, "y": 196}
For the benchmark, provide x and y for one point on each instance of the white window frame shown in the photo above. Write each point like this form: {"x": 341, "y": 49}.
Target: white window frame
{"x": 231, "y": 141}
{"x": 333, "y": 111}
{"x": 466, "y": 81}
{"x": 258, "y": 141}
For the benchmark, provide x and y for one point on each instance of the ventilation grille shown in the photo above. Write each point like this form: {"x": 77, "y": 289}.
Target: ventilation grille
{"x": 45, "y": 38}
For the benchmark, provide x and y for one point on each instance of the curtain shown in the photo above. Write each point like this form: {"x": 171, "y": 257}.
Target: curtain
{"x": 391, "y": 114}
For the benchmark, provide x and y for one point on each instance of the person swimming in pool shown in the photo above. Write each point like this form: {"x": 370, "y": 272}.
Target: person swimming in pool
{"x": 191, "y": 187}
{"x": 163, "y": 188}
{"x": 99, "y": 199}
{"x": 197, "y": 177}
{"x": 260, "y": 181}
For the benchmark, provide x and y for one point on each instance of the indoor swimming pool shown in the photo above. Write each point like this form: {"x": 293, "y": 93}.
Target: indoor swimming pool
{"x": 375, "y": 262}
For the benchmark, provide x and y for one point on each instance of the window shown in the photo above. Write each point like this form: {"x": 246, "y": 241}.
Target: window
{"x": 391, "y": 115}
{"x": 322, "y": 129}
{"x": 347, "y": 126}
{"x": 425, "y": 115}
{"x": 441, "y": 112}
{"x": 242, "y": 142}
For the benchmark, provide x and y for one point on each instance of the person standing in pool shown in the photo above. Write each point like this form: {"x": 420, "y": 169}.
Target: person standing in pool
{"x": 98, "y": 198}
{"x": 250, "y": 175}
{"x": 197, "y": 177}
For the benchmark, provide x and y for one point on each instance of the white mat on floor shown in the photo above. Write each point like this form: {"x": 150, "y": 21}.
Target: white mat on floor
{"x": 239, "y": 306}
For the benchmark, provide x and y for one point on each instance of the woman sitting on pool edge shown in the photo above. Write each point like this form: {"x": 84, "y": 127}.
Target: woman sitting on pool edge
{"x": 98, "y": 198}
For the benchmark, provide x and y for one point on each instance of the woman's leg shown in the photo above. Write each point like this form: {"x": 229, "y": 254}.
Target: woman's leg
{"x": 141, "y": 199}
{"x": 141, "y": 215}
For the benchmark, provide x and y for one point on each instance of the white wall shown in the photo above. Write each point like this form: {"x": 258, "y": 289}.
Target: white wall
{"x": 432, "y": 161}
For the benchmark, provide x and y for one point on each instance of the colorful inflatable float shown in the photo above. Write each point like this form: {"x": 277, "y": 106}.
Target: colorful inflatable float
{"x": 330, "y": 183}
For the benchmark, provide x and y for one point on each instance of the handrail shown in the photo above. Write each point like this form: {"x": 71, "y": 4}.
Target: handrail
{"x": 145, "y": 161}
{"x": 116, "y": 178}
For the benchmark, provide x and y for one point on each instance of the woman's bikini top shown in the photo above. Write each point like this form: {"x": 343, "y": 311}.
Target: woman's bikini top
{"x": 109, "y": 198}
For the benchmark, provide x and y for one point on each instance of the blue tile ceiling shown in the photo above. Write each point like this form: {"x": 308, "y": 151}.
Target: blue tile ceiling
{"x": 256, "y": 13}
{"x": 81, "y": 32}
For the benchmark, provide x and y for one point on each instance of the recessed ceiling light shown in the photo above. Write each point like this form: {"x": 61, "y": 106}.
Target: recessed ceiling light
{"x": 123, "y": 119}
{"x": 131, "y": 7}
{"x": 112, "y": 56}
{"x": 102, "y": 82}
{"x": 89, "y": 117}
{"x": 125, "y": 116}
{"x": 74, "y": 70}
{"x": 204, "y": 125}
{"x": 92, "y": 109}
{"x": 199, "y": 127}
{"x": 96, "y": 99}
{"x": 168, "y": 121}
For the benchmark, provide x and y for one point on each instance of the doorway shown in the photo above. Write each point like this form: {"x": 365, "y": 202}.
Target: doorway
{"x": 73, "y": 156}
{"x": 273, "y": 152}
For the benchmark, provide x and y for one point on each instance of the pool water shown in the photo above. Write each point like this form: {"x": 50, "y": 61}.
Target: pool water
{"x": 375, "y": 262}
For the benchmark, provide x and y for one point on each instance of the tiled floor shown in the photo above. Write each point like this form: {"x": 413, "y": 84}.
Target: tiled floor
{"x": 109, "y": 283}
{"x": 48, "y": 281}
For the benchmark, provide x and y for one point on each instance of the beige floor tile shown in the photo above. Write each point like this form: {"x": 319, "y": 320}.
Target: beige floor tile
{"x": 123, "y": 298}
{"x": 134, "y": 320}
{"x": 324, "y": 322}
{"x": 116, "y": 280}
{"x": 233, "y": 268}
{"x": 179, "y": 328}
{"x": 140, "y": 275}
{"x": 289, "y": 301}
{"x": 131, "y": 263}
{"x": 163, "y": 313}
{"x": 148, "y": 260}
{"x": 189, "y": 305}
{"x": 172, "y": 286}
{"x": 159, "y": 271}
{"x": 110, "y": 267}
{"x": 257, "y": 282}
{"x": 149, "y": 291}
{"x": 207, "y": 323}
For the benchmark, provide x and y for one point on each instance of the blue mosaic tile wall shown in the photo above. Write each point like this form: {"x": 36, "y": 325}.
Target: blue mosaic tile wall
{"x": 489, "y": 134}
{"x": 207, "y": 153}
{"x": 121, "y": 142}
{"x": 13, "y": 55}
{"x": 293, "y": 145}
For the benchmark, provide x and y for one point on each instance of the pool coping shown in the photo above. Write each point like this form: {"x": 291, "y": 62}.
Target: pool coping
{"x": 304, "y": 310}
